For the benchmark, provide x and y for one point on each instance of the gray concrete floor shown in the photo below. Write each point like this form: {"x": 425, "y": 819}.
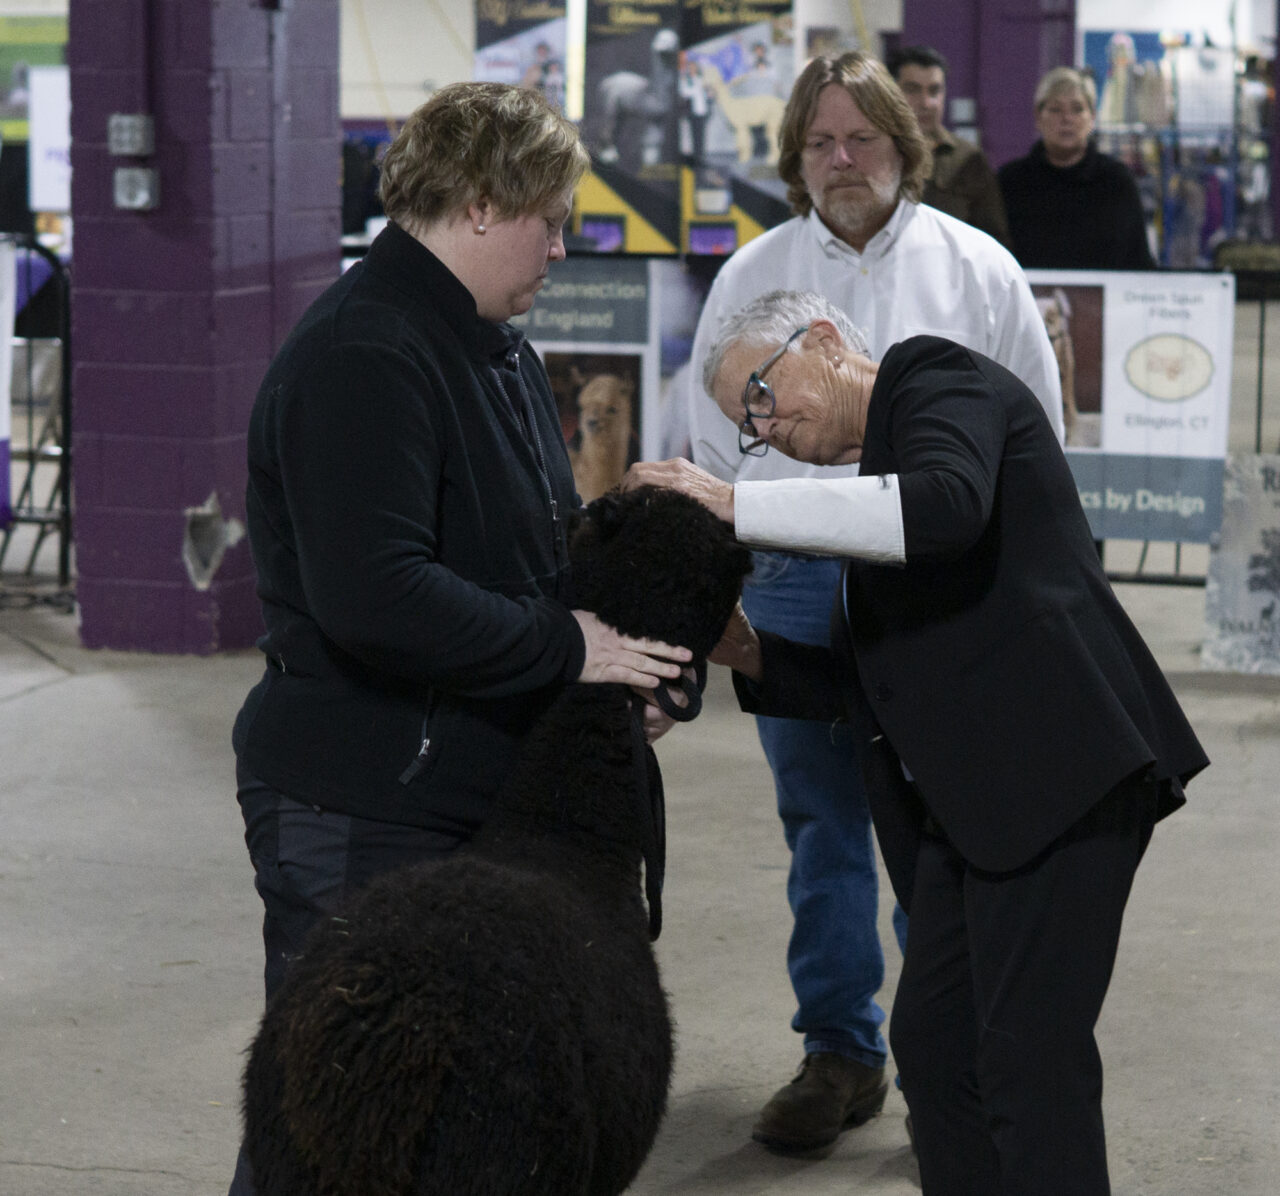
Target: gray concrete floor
{"x": 130, "y": 951}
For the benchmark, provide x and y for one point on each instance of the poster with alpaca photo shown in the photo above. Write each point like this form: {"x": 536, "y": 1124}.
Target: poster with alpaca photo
{"x": 1073, "y": 319}
{"x": 598, "y": 396}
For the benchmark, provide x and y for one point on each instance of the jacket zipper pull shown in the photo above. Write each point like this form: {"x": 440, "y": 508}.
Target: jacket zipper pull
{"x": 418, "y": 763}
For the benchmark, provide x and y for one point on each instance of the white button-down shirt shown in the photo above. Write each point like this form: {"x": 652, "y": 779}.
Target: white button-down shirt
{"x": 924, "y": 272}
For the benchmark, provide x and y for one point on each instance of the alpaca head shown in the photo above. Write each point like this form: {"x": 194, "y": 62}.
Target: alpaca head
{"x": 604, "y": 408}
{"x": 656, "y": 563}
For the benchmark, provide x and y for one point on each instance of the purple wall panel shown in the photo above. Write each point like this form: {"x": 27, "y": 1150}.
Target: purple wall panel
{"x": 241, "y": 176}
{"x": 106, "y": 33}
{"x": 310, "y": 174}
{"x": 242, "y": 33}
{"x": 310, "y": 240}
{"x": 312, "y": 96}
{"x": 248, "y": 98}
{"x": 242, "y": 251}
{"x": 100, "y": 93}
{"x": 88, "y": 461}
{"x": 144, "y": 327}
{"x": 186, "y": 107}
{"x": 950, "y": 29}
{"x": 173, "y": 618}
{"x": 130, "y": 252}
{"x": 153, "y": 473}
{"x": 115, "y": 399}
{"x": 242, "y": 326}
{"x": 314, "y": 38}
{"x": 177, "y": 311}
{"x": 184, "y": 33}
{"x": 186, "y": 183}
{"x": 132, "y": 616}
{"x": 91, "y": 174}
{"x": 132, "y": 545}
{"x": 235, "y": 388}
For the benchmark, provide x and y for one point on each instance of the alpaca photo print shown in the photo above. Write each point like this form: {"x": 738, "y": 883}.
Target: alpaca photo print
{"x": 1073, "y": 319}
{"x": 598, "y": 395}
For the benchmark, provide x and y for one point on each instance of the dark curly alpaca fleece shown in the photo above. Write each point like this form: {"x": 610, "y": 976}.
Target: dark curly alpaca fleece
{"x": 493, "y": 1023}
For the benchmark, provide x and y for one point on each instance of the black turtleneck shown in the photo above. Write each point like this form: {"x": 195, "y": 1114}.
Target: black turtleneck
{"x": 1082, "y": 217}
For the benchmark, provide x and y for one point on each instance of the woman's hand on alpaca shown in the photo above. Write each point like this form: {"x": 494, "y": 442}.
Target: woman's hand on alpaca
{"x": 679, "y": 474}
{"x": 613, "y": 657}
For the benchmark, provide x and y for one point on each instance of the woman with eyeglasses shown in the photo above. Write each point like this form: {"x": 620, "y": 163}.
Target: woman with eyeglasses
{"x": 1070, "y": 206}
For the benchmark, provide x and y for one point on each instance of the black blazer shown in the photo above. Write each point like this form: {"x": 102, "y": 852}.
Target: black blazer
{"x": 997, "y": 665}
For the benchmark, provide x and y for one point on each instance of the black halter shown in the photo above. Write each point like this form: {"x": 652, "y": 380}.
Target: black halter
{"x": 691, "y": 687}
{"x": 650, "y": 800}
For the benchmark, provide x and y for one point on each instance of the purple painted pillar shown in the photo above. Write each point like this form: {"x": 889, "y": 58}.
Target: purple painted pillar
{"x": 997, "y": 51}
{"x": 177, "y": 311}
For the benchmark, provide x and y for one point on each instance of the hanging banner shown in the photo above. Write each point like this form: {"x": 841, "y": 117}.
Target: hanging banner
{"x": 736, "y": 72}
{"x": 522, "y": 42}
{"x": 49, "y": 146}
{"x": 1145, "y": 361}
{"x": 630, "y": 200}
{"x": 1242, "y": 618}
{"x": 593, "y": 326}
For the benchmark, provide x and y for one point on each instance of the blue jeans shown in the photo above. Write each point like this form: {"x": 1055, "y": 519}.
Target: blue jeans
{"x": 834, "y": 958}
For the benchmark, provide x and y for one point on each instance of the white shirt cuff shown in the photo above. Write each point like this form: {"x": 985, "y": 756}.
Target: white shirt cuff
{"x": 855, "y": 517}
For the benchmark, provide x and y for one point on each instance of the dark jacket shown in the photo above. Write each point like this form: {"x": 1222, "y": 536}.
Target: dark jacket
{"x": 964, "y": 186}
{"x": 997, "y": 664}
{"x": 1082, "y": 217}
{"x": 406, "y": 519}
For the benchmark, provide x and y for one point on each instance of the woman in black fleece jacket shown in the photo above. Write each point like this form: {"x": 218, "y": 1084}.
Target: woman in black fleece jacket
{"x": 408, "y": 492}
{"x": 1069, "y": 206}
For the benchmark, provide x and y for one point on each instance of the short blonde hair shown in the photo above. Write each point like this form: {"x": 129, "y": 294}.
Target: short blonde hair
{"x": 474, "y": 141}
{"x": 1062, "y": 80}
{"x": 880, "y": 100}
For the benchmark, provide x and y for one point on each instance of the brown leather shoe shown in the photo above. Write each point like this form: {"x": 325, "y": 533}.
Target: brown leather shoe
{"x": 829, "y": 1095}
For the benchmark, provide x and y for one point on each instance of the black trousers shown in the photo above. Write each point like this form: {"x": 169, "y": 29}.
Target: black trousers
{"x": 307, "y": 862}
{"x": 993, "y": 1022}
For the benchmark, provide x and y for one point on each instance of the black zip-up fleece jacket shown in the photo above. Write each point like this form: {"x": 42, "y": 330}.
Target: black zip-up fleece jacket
{"x": 407, "y": 525}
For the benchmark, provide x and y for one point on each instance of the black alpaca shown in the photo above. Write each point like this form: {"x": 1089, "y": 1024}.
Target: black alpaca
{"x": 494, "y": 1023}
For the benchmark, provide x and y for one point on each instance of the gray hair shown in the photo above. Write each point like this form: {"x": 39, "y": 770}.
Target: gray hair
{"x": 769, "y": 320}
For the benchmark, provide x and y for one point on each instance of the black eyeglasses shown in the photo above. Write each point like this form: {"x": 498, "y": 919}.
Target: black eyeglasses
{"x": 758, "y": 402}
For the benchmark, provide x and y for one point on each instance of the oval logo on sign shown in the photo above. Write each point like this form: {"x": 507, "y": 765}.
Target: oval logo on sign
{"x": 1169, "y": 367}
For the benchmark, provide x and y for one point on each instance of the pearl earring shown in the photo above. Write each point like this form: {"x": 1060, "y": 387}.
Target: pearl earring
{"x": 480, "y": 229}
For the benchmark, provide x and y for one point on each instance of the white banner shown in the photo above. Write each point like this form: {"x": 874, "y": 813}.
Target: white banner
{"x": 1145, "y": 361}
{"x": 49, "y": 150}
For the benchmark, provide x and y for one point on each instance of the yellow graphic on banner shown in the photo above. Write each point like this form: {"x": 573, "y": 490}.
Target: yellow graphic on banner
{"x": 693, "y": 215}
{"x": 596, "y": 198}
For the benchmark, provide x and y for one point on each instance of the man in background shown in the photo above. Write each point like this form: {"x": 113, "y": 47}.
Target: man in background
{"x": 962, "y": 184}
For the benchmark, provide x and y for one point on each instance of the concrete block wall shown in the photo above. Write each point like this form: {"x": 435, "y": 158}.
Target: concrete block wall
{"x": 176, "y": 311}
